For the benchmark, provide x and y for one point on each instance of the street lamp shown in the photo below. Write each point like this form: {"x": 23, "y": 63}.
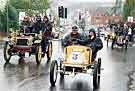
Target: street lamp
{"x": 7, "y": 15}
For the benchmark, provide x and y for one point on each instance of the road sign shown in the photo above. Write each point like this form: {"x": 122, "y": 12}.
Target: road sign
{"x": 21, "y": 16}
{"x": 130, "y": 19}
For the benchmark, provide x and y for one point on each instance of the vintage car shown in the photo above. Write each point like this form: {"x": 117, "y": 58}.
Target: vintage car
{"x": 78, "y": 59}
{"x": 24, "y": 45}
{"x": 120, "y": 41}
{"x": 109, "y": 36}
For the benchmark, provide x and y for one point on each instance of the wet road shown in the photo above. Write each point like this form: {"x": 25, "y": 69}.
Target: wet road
{"x": 118, "y": 73}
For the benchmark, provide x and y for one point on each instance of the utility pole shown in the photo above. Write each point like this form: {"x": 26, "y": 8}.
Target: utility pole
{"x": 118, "y": 6}
{"x": 7, "y": 16}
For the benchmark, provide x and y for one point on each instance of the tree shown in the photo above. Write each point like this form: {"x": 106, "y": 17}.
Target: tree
{"x": 21, "y": 4}
{"x": 1, "y": 21}
{"x": 14, "y": 6}
{"x": 30, "y": 4}
{"x": 11, "y": 18}
{"x": 39, "y": 4}
{"x": 129, "y": 8}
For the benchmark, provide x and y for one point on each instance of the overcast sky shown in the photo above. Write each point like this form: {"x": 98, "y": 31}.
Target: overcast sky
{"x": 92, "y": 0}
{"x": 72, "y": 2}
{"x": 79, "y": 1}
{"x": 108, "y": 1}
{"x": 3, "y": 3}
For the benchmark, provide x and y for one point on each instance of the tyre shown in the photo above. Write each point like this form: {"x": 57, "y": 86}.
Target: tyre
{"x": 61, "y": 73}
{"x": 126, "y": 44}
{"x": 38, "y": 54}
{"x": 99, "y": 66}
{"x": 53, "y": 72}
{"x": 7, "y": 55}
{"x": 49, "y": 52}
{"x": 105, "y": 38}
{"x": 95, "y": 78}
{"x": 107, "y": 41}
{"x": 112, "y": 46}
{"x": 99, "y": 70}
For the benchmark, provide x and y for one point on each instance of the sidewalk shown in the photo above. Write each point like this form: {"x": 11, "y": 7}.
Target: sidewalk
{"x": 2, "y": 38}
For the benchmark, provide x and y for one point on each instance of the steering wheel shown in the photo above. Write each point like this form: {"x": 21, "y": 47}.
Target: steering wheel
{"x": 73, "y": 41}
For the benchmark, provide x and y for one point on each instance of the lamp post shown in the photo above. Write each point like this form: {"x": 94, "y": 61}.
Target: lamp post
{"x": 7, "y": 16}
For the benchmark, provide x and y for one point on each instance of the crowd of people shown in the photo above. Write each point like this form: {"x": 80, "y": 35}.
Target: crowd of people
{"x": 37, "y": 25}
{"x": 91, "y": 40}
{"x": 44, "y": 25}
{"x": 124, "y": 29}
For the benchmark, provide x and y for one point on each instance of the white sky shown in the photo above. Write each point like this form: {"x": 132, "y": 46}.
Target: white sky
{"x": 79, "y": 1}
{"x": 92, "y": 0}
{"x": 3, "y": 3}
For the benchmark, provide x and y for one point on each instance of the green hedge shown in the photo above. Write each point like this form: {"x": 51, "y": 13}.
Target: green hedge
{"x": 14, "y": 7}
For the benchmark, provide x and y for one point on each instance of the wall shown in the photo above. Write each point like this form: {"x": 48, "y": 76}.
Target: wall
{"x": 96, "y": 20}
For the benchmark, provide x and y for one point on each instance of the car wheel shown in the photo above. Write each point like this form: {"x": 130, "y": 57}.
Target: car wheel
{"x": 38, "y": 54}
{"x": 126, "y": 44}
{"x": 49, "y": 52}
{"x": 104, "y": 38}
{"x": 99, "y": 65}
{"x": 95, "y": 78}
{"x": 53, "y": 72}
{"x": 107, "y": 41}
{"x": 112, "y": 46}
{"x": 61, "y": 73}
{"x": 7, "y": 55}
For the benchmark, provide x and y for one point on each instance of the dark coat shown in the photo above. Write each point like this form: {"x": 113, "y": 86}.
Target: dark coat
{"x": 71, "y": 38}
{"x": 25, "y": 27}
{"x": 37, "y": 27}
{"x": 95, "y": 44}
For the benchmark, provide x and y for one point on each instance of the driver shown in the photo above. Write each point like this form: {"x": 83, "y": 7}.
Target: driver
{"x": 25, "y": 25}
{"x": 73, "y": 38}
{"x": 94, "y": 43}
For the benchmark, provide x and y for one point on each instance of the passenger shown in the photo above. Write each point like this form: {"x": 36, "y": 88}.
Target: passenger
{"x": 47, "y": 34}
{"x": 125, "y": 31}
{"x": 47, "y": 26}
{"x": 95, "y": 43}
{"x": 130, "y": 33}
{"x": 38, "y": 25}
{"x": 119, "y": 30}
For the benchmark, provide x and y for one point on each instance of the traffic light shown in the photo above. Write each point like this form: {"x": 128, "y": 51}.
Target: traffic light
{"x": 65, "y": 13}
{"x": 61, "y": 11}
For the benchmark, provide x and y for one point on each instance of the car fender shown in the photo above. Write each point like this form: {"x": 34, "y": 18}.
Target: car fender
{"x": 6, "y": 39}
{"x": 37, "y": 41}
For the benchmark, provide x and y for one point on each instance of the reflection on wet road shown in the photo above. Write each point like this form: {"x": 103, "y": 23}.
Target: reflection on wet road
{"x": 117, "y": 75}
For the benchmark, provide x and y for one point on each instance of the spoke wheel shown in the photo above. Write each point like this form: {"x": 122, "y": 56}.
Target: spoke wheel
{"x": 112, "y": 46}
{"x": 53, "y": 72}
{"x": 95, "y": 78}
{"x": 7, "y": 55}
{"x": 126, "y": 45}
{"x": 49, "y": 52}
{"x": 107, "y": 41}
{"x": 61, "y": 73}
{"x": 39, "y": 54}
